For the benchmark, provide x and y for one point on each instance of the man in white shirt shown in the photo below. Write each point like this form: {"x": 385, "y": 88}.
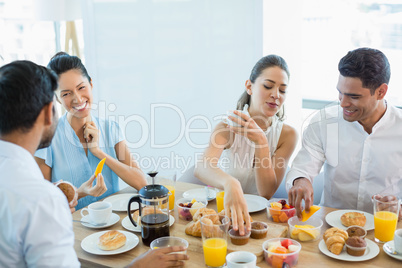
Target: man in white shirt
{"x": 358, "y": 142}
{"x": 36, "y": 223}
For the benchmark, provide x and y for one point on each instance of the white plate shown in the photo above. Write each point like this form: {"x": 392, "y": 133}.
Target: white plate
{"x": 371, "y": 251}
{"x": 255, "y": 202}
{"x": 391, "y": 245}
{"x": 113, "y": 219}
{"x": 334, "y": 219}
{"x": 120, "y": 202}
{"x": 90, "y": 244}
{"x": 126, "y": 223}
{"x": 200, "y": 193}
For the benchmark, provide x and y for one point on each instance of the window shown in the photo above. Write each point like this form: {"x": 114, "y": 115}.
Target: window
{"x": 332, "y": 28}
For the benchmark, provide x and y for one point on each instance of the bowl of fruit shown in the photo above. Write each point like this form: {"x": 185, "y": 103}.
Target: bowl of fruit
{"x": 279, "y": 210}
{"x": 309, "y": 230}
{"x": 278, "y": 251}
{"x": 188, "y": 207}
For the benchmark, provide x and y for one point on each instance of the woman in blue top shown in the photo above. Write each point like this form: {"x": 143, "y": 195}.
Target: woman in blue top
{"x": 82, "y": 140}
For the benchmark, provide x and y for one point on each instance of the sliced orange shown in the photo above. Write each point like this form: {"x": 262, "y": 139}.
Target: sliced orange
{"x": 100, "y": 167}
{"x": 306, "y": 216}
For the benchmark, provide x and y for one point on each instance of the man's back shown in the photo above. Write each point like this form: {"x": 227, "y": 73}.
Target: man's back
{"x": 36, "y": 228}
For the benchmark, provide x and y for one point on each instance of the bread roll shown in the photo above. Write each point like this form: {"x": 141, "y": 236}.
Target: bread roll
{"x": 68, "y": 189}
{"x": 111, "y": 240}
{"x": 353, "y": 218}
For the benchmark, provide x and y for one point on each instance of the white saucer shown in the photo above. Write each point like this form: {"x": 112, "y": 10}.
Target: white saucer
{"x": 120, "y": 202}
{"x": 113, "y": 219}
{"x": 127, "y": 224}
{"x": 391, "y": 245}
{"x": 371, "y": 252}
{"x": 201, "y": 193}
{"x": 334, "y": 219}
{"x": 90, "y": 244}
{"x": 255, "y": 202}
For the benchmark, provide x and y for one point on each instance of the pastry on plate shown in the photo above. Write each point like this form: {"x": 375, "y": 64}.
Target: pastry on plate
{"x": 112, "y": 240}
{"x": 353, "y": 218}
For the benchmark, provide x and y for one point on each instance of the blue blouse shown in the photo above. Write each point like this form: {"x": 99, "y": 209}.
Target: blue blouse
{"x": 66, "y": 156}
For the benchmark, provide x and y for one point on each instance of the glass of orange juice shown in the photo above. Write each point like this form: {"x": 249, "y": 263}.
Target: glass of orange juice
{"x": 168, "y": 179}
{"x": 219, "y": 201}
{"x": 214, "y": 231}
{"x": 385, "y": 219}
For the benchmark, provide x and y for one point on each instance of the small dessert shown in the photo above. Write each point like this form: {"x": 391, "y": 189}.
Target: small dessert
{"x": 356, "y": 246}
{"x": 68, "y": 190}
{"x": 280, "y": 211}
{"x": 258, "y": 230}
{"x": 353, "y": 218}
{"x": 356, "y": 231}
{"x": 238, "y": 239}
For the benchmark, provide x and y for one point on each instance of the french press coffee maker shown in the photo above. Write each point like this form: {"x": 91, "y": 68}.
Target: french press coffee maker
{"x": 153, "y": 203}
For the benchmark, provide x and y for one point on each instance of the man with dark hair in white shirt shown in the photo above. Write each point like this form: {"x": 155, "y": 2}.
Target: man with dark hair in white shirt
{"x": 36, "y": 223}
{"x": 358, "y": 142}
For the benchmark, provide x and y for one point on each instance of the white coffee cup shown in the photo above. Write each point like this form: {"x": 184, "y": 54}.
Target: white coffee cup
{"x": 241, "y": 259}
{"x": 398, "y": 241}
{"x": 99, "y": 212}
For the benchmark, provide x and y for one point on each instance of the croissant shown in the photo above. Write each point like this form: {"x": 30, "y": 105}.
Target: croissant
{"x": 335, "y": 231}
{"x": 193, "y": 228}
{"x": 204, "y": 211}
{"x": 335, "y": 244}
{"x": 335, "y": 239}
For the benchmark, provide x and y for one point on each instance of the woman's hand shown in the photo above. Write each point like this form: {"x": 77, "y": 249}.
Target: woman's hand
{"x": 91, "y": 136}
{"x": 249, "y": 128}
{"x": 87, "y": 187}
{"x": 161, "y": 258}
{"x": 236, "y": 206}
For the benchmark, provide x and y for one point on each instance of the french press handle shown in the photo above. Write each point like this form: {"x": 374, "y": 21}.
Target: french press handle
{"x": 134, "y": 199}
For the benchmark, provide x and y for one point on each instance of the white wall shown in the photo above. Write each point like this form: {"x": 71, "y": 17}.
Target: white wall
{"x": 194, "y": 55}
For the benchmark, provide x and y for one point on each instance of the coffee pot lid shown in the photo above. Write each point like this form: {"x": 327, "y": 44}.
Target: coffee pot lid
{"x": 153, "y": 191}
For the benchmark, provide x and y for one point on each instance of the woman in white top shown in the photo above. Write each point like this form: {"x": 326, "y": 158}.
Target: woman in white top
{"x": 251, "y": 158}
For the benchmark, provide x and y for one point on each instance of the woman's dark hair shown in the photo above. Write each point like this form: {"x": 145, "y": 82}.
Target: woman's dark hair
{"x": 25, "y": 88}
{"x": 264, "y": 63}
{"x": 370, "y": 65}
{"x": 62, "y": 62}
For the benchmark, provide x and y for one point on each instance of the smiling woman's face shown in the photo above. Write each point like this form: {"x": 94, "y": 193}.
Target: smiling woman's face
{"x": 75, "y": 93}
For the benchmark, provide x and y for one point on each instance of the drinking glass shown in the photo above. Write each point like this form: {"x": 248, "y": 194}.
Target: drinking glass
{"x": 219, "y": 201}
{"x": 214, "y": 231}
{"x": 168, "y": 179}
{"x": 385, "y": 219}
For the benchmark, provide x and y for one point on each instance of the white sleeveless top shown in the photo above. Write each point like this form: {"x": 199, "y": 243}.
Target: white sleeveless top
{"x": 237, "y": 161}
